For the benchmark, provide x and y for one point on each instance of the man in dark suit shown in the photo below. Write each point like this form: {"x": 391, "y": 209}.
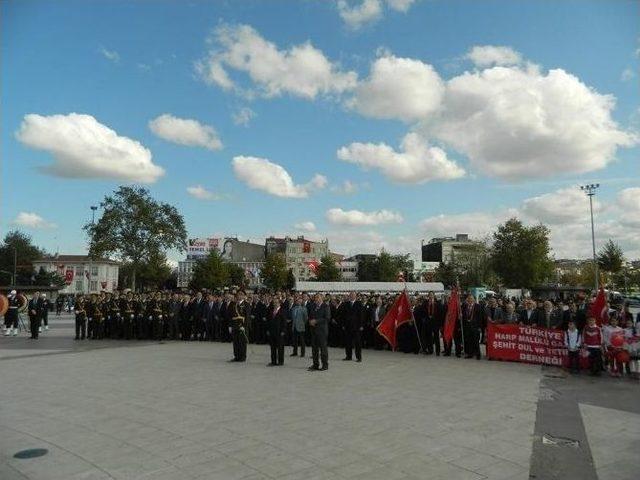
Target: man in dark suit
{"x": 377, "y": 313}
{"x": 432, "y": 312}
{"x": 529, "y": 315}
{"x": 319, "y": 314}
{"x": 471, "y": 321}
{"x": 351, "y": 320}
{"x": 276, "y": 331}
{"x": 35, "y": 314}
{"x": 210, "y": 314}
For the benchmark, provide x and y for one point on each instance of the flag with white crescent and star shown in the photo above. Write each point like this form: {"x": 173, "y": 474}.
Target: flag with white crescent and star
{"x": 399, "y": 313}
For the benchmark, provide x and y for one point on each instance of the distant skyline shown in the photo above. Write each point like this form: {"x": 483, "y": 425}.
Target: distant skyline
{"x": 372, "y": 123}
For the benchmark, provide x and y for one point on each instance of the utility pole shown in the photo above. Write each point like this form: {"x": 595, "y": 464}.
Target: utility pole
{"x": 590, "y": 190}
{"x": 15, "y": 265}
{"x": 93, "y": 221}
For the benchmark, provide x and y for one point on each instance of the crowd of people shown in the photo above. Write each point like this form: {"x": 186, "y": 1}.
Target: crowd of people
{"x": 300, "y": 320}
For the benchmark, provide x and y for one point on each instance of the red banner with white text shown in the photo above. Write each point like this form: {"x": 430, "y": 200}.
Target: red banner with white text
{"x": 525, "y": 344}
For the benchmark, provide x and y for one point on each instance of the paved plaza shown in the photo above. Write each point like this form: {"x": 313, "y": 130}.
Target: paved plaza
{"x": 175, "y": 410}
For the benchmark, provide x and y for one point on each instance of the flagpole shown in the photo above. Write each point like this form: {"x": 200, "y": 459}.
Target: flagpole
{"x": 413, "y": 319}
{"x": 460, "y": 315}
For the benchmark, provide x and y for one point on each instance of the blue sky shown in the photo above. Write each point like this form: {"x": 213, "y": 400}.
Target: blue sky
{"x": 482, "y": 147}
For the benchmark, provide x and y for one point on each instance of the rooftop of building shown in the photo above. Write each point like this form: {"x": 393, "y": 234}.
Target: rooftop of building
{"x": 75, "y": 259}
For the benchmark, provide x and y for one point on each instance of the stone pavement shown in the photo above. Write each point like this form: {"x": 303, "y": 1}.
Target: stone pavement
{"x": 174, "y": 410}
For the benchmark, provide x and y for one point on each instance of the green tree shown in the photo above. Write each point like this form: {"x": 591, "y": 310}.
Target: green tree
{"x": 610, "y": 257}
{"x": 520, "y": 254}
{"x": 237, "y": 276}
{"x": 152, "y": 275}
{"x": 368, "y": 269}
{"x": 18, "y": 244}
{"x": 274, "y": 272}
{"x": 291, "y": 280}
{"x": 48, "y": 279}
{"x": 135, "y": 227}
{"x": 327, "y": 270}
{"x": 210, "y": 272}
{"x": 446, "y": 273}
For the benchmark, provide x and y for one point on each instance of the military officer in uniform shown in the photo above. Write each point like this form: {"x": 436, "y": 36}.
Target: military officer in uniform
{"x": 240, "y": 312}
{"x": 81, "y": 318}
{"x": 35, "y": 313}
{"x": 128, "y": 315}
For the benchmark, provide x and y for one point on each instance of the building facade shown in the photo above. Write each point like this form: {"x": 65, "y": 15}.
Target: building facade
{"x": 81, "y": 274}
{"x": 445, "y": 249}
{"x": 301, "y": 255}
{"x": 248, "y": 256}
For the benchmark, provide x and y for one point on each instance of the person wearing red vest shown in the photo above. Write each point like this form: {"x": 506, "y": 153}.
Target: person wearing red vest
{"x": 592, "y": 340}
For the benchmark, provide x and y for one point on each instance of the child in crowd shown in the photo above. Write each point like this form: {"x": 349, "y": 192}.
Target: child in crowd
{"x": 613, "y": 351}
{"x": 592, "y": 340}
{"x": 573, "y": 342}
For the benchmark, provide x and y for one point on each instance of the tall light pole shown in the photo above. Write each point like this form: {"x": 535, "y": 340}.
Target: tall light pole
{"x": 15, "y": 265}
{"x": 93, "y": 221}
{"x": 590, "y": 190}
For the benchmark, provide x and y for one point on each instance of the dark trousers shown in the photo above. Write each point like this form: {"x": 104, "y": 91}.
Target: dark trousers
{"x": 81, "y": 327}
{"x": 434, "y": 340}
{"x": 210, "y": 328}
{"x": 277, "y": 349}
{"x": 239, "y": 345}
{"x": 353, "y": 340}
{"x": 574, "y": 361}
{"x": 298, "y": 340}
{"x": 595, "y": 360}
{"x": 11, "y": 318}
{"x": 319, "y": 348}
{"x": 127, "y": 326}
{"x": 45, "y": 318}
{"x": 34, "y": 324}
{"x": 472, "y": 342}
{"x": 457, "y": 339}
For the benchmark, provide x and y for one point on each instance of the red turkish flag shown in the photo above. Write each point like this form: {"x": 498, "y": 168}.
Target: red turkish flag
{"x": 313, "y": 265}
{"x": 399, "y": 313}
{"x": 451, "y": 320}
{"x": 597, "y": 308}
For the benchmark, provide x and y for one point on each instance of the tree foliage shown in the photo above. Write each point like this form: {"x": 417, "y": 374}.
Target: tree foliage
{"x": 385, "y": 267}
{"x": 135, "y": 227}
{"x": 274, "y": 272}
{"x": 27, "y": 253}
{"x": 48, "y": 279}
{"x": 211, "y": 272}
{"x": 520, "y": 254}
{"x": 152, "y": 275}
{"x": 610, "y": 257}
{"x": 327, "y": 270}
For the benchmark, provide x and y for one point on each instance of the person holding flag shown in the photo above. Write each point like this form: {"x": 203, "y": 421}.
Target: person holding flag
{"x": 399, "y": 314}
{"x": 452, "y": 331}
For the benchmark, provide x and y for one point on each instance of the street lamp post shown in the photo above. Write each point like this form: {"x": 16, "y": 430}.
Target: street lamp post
{"x": 15, "y": 265}
{"x": 93, "y": 221}
{"x": 590, "y": 190}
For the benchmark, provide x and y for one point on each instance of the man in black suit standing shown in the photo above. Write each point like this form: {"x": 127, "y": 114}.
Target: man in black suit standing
{"x": 471, "y": 321}
{"x": 377, "y": 313}
{"x": 276, "y": 330}
{"x": 35, "y": 313}
{"x": 210, "y": 315}
{"x": 433, "y": 314}
{"x": 529, "y": 316}
{"x": 351, "y": 315}
{"x": 319, "y": 314}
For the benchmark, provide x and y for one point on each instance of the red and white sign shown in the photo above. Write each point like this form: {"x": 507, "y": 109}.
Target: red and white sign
{"x": 68, "y": 276}
{"x": 200, "y": 247}
{"x": 313, "y": 265}
{"x": 525, "y": 344}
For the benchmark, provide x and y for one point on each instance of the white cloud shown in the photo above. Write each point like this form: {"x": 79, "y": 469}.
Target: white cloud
{"x": 417, "y": 163}
{"x": 356, "y": 14}
{"x": 400, "y": 88}
{"x": 185, "y": 131}
{"x": 201, "y": 193}
{"x": 305, "y": 226}
{"x": 400, "y": 5}
{"x": 516, "y": 123}
{"x": 629, "y": 202}
{"x": 559, "y": 207}
{"x": 84, "y": 148}
{"x": 32, "y": 220}
{"x": 269, "y": 177}
{"x": 302, "y": 70}
{"x": 488, "y": 55}
{"x": 627, "y": 75}
{"x": 339, "y": 216}
{"x": 110, "y": 55}
{"x": 243, "y": 116}
{"x": 359, "y": 14}
{"x": 346, "y": 188}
